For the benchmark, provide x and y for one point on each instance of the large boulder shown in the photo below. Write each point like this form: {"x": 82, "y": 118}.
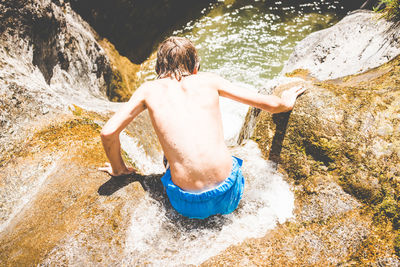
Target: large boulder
{"x": 50, "y": 61}
{"x": 342, "y": 131}
{"x": 359, "y": 42}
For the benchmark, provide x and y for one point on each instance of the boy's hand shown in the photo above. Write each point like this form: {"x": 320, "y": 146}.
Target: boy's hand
{"x": 107, "y": 168}
{"x": 289, "y": 96}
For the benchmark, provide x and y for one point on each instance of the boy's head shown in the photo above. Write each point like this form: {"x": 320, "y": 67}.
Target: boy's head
{"x": 176, "y": 57}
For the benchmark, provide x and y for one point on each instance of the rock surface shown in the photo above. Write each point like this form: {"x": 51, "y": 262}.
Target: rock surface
{"x": 359, "y": 42}
{"x": 54, "y": 78}
{"x": 344, "y": 133}
{"x": 48, "y": 54}
{"x": 50, "y": 60}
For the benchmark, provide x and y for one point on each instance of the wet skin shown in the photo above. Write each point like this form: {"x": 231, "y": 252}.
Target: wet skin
{"x": 186, "y": 117}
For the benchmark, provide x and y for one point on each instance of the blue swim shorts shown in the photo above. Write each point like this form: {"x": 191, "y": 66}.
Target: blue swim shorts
{"x": 222, "y": 199}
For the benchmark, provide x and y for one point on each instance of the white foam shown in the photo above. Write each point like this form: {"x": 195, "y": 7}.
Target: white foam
{"x": 146, "y": 164}
{"x": 22, "y": 188}
{"x": 153, "y": 237}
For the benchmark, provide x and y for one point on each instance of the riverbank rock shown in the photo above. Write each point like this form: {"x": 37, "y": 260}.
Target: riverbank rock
{"x": 54, "y": 82}
{"x": 50, "y": 60}
{"x": 343, "y": 134}
{"x": 359, "y": 42}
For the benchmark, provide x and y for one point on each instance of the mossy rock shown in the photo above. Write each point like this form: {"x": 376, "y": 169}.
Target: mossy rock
{"x": 346, "y": 129}
{"x": 397, "y": 245}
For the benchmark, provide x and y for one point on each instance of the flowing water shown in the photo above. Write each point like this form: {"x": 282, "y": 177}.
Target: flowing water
{"x": 246, "y": 42}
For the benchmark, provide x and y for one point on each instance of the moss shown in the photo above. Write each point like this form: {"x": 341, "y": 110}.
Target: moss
{"x": 124, "y": 80}
{"x": 76, "y": 110}
{"x": 56, "y": 136}
{"x": 396, "y": 221}
{"x": 352, "y": 154}
{"x": 389, "y": 207}
{"x": 391, "y": 10}
{"x": 301, "y": 73}
{"x": 73, "y": 144}
{"x": 321, "y": 149}
{"x": 126, "y": 158}
{"x": 396, "y": 244}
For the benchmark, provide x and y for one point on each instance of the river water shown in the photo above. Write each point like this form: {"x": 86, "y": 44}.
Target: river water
{"x": 246, "y": 42}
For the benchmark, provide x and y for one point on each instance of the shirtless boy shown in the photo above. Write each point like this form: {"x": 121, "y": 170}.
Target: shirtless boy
{"x": 203, "y": 178}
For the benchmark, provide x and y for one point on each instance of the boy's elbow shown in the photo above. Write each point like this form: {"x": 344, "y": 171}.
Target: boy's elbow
{"x": 279, "y": 108}
{"x": 107, "y": 134}
{"x": 271, "y": 107}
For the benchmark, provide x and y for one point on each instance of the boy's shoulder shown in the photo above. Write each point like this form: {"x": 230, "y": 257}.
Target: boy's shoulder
{"x": 207, "y": 78}
{"x": 209, "y": 75}
{"x": 152, "y": 85}
{"x": 204, "y": 78}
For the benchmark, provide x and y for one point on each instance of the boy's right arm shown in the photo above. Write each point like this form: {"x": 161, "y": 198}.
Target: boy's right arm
{"x": 271, "y": 103}
{"x": 111, "y": 130}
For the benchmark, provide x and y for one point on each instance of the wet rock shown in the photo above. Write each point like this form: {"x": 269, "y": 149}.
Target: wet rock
{"x": 389, "y": 261}
{"x": 54, "y": 78}
{"x": 359, "y": 42}
{"x": 328, "y": 200}
{"x": 341, "y": 135}
{"x": 56, "y": 41}
{"x": 52, "y": 188}
{"x": 49, "y": 59}
{"x": 300, "y": 244}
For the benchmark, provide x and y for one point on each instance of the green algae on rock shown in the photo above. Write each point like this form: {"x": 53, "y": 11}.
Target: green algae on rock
{"x": 391, "y": 10}
{"x": 126, "y": 76}
{"x": 344, "y": 130}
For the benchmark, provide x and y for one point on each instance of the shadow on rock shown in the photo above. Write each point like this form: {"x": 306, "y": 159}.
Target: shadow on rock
{"x": 281, "y": 121}
{"x": 153, "y": 186}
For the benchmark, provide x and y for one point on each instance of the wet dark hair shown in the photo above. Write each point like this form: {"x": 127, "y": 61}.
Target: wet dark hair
{"x": 176, "y": 58}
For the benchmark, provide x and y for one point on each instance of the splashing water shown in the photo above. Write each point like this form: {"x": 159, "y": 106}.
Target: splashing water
{"x": 159, "y": 235}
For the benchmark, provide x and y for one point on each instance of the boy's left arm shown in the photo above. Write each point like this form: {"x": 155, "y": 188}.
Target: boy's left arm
{"x": 111, "y": 130}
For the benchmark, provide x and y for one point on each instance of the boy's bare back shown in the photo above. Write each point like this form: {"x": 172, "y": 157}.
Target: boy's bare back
{"x": 186, "y": 117}
{"x": 184, "y": 109}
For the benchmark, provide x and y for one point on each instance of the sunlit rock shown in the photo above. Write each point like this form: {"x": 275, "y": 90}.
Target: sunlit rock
{"x": 359, "y": 42}
{"x": 341, "y": 131}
